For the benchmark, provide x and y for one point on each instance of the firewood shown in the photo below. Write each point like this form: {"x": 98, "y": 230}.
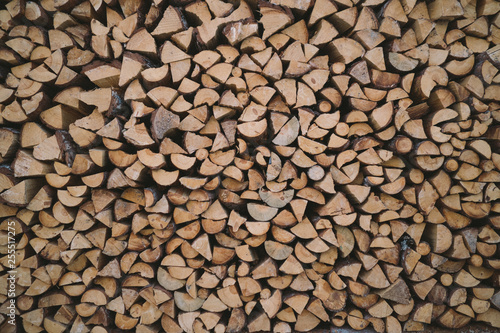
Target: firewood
{"x": 336, "y": 166}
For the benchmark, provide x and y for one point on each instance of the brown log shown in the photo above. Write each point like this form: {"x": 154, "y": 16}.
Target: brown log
{"x": 172, "y": 166}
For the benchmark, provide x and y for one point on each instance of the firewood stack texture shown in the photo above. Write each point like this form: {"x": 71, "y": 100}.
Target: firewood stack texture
{"x": 245, "y": 166}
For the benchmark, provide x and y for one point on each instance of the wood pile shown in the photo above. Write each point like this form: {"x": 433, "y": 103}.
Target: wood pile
{"x": 284, "y": 165}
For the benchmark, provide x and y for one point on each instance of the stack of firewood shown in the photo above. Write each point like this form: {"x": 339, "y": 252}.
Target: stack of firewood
{"x": 196, "y": 166}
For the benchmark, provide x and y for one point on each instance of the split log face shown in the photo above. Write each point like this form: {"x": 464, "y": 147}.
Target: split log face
{"x": 233, "y": 166}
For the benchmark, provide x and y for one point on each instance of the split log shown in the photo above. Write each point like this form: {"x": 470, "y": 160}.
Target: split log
{"x": 282, "y": 165}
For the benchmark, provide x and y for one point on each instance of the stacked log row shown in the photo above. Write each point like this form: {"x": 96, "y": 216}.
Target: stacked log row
{"x": 195, "y": 166}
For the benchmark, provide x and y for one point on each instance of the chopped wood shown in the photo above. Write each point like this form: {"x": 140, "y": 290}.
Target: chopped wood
{"x": 230, "y": 166}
